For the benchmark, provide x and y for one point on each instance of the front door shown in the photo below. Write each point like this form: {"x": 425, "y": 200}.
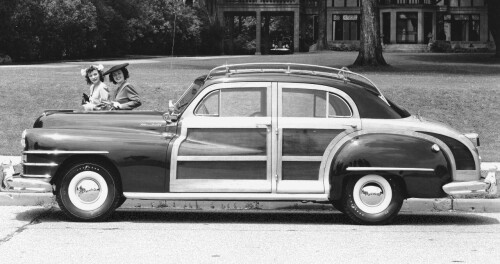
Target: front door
{"x": 225, "y": 142}
{"x": 309, "y": 118}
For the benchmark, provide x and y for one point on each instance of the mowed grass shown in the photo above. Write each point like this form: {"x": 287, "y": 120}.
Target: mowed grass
{"x": 462, "y": 90}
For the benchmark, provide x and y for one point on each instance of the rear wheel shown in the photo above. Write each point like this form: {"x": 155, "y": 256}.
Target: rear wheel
{"x": 372, "y": 199}
{"x": 88, "y": 191}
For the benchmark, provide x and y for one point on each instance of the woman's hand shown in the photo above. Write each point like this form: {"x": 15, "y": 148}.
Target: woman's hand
{"x": 116, "y": 105}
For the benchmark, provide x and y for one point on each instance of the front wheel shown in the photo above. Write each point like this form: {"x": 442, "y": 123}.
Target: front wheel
{"x": 88, "y": 191}
{"x": 372, "y": 199}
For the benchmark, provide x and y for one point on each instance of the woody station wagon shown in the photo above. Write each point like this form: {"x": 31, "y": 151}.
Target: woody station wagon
{"x": 253, "y": 132}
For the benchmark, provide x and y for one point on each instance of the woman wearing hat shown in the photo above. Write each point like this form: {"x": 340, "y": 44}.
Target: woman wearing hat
{"x": 99, "y": 92}
{"x": 125, "y": 97}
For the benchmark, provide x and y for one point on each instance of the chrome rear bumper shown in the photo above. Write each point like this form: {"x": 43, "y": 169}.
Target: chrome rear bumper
{"x": 9, "y": 182}
{"x": 486, "y": 185}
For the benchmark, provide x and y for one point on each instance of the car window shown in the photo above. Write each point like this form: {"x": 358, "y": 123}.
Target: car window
{"x": 303, "y": 103}
{"x": 338, "y": 107}
{"x": 313, "y": 103}
{"x": 210, "y": 105}
{"x": 231, "y": 102}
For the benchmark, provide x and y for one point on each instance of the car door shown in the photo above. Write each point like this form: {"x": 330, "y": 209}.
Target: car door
{"x": 309, "y": 118}
{"x": 225, "y": 142}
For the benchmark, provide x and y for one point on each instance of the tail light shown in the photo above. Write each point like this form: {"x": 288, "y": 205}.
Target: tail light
{"x": 474, "y": 138}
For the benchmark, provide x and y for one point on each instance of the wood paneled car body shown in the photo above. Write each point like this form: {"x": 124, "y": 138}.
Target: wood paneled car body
{"x": 253, "y": 132}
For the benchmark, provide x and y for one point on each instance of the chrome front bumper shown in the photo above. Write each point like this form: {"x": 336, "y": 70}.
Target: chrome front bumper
{"x": 487, "y": 185}
{"x": 10, "y": 182}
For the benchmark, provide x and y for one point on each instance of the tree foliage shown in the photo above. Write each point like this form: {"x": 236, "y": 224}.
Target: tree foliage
{"x": 37, "y": 30}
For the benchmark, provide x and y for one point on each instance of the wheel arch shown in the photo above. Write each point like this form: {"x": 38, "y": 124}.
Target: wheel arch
{"x": 74, "y": 159}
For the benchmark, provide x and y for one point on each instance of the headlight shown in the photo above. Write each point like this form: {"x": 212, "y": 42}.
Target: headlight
{"x": 23, "y": 139}
{"x": 474, "y": 138}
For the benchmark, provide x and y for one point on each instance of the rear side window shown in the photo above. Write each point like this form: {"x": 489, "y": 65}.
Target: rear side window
{"x": 313, "y": 103}
{"x": 338, "y": 107}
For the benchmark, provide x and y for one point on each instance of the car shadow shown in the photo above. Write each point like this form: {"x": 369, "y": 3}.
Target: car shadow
{"x": 270, "y": 217}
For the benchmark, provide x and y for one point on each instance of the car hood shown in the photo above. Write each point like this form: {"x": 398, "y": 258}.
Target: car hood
{"x": 102, "y": 120}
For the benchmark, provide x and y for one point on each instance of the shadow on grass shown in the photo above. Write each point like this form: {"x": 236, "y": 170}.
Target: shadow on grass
{"x": 261, "y": 217}
{"x": 474, "y": 58}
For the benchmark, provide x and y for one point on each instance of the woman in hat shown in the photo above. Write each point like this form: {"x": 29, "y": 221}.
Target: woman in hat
{"x": 125, "y": 97}
{"x": 99, "y": 92}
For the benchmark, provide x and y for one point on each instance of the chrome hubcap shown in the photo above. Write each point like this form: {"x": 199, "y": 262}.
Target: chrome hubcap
{"x": 372, "y": 194}
{"x": 88, "y": 190}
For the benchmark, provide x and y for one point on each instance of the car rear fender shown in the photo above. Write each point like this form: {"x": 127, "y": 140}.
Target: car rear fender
{"x": 422, "y": 162}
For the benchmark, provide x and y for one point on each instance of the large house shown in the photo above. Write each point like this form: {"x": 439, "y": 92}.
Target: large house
{"x": 404, "y": 24}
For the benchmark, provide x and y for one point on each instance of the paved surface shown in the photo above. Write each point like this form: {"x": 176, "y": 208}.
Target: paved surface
{"x": 43, "y": 235}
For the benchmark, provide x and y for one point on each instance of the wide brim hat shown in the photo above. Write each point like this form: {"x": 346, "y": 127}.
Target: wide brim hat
{"x": 115, "y": 68}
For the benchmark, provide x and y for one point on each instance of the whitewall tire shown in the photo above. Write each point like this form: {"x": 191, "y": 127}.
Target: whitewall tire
{"x": 372, "y": 199}
{"x": 88, "y": 191}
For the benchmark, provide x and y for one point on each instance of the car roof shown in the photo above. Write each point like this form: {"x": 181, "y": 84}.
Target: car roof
{"x": 370, "y": 101}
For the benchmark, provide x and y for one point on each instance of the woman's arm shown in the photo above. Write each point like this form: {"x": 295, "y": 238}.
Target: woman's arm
{"x": 133, "y": 97}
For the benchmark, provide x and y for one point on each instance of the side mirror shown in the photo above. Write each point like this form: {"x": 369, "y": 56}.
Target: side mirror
{"x": 171, "y": 107}
{"x": 170, "y": 116}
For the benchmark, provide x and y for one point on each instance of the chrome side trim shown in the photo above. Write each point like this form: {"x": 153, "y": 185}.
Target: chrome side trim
{"x": 52, "y": 164}
{"x": 44, "y": 176}
{"x": 386, "y": 169}
{"x": 227, "y": 196}
{"x": 221, "y": 158}
{"x": 56, "y": 152}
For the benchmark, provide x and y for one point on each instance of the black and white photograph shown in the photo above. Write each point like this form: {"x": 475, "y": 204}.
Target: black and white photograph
{"x": 249, "y": 131}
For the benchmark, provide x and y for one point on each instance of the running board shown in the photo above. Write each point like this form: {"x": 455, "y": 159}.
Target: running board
{"x": 227, "y": 196}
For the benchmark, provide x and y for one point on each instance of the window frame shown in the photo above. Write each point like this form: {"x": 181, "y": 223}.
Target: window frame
{"x": 327, "y": 103}
{"x": 200, "y": 103}
{"x": 343, "y": 100}
{"x": 341, "y": 22}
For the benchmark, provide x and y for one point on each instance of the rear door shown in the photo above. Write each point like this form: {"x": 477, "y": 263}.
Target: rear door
{"x": 309, "y": 118}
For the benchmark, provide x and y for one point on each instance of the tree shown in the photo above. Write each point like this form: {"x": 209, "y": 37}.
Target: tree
{"x": 494, "y": 22}
{"x": 152, "y": 31}
{"x": 370, "y": 51}
{"x": 322, "y": 43}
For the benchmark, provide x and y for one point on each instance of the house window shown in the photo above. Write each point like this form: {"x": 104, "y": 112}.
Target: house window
{"x": 465, "y": 27}
{"x": 407, "y": 27}
{"x": 346, "y": 27}
{"x": 344, "y": 3}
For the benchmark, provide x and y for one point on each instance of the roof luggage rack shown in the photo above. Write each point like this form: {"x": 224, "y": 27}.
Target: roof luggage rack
{"x": 296, "y": 68}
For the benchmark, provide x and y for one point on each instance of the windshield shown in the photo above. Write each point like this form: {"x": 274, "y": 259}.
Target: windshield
{"x": 189, "y": 94}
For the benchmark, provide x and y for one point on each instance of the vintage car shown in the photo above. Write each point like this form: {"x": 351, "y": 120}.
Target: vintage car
{"x": 253, "y": 132}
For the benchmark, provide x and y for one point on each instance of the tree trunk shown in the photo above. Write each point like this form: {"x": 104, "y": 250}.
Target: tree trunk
{"x": 370, "y": 51}
{"x": 322, "y": 43}
{"x": 494, "y": 23}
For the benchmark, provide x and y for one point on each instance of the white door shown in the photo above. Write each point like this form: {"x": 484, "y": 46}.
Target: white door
{"x": 309, "y": 118}
{"x": 225, "y": 142}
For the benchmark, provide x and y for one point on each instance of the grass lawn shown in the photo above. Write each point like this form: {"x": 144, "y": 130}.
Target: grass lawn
{"x": 462, "y": 90}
